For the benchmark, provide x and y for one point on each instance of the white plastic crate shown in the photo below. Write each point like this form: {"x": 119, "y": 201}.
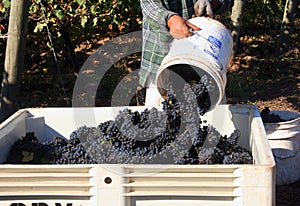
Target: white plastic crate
{"x": 136, "y": 185}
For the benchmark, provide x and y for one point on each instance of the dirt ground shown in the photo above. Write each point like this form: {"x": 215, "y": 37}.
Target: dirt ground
{"x": 264, "y": 81}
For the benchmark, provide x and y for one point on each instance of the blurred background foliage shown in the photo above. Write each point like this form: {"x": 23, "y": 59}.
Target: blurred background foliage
{"x": 76, "y": 28}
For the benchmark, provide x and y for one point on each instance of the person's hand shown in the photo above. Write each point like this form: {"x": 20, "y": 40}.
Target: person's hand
{"x": 180, "y": 28}
{"x": 204, "y": 8}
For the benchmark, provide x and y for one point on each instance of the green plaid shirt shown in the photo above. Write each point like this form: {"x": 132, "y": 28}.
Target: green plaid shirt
{"x": 156, "y": 36}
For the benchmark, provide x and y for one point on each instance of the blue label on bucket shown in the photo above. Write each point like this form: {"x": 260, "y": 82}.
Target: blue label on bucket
{"x": 213, "y": 47}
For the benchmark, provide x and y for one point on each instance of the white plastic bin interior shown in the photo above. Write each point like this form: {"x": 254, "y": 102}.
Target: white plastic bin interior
{"x": 138, "y": 185}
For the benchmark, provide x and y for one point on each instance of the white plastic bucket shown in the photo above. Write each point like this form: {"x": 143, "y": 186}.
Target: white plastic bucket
{"x": 284, "y": 139}
{"x": 207, "y": 52}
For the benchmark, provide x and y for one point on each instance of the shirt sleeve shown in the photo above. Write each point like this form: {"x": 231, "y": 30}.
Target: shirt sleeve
{"x": 156, "y": 13}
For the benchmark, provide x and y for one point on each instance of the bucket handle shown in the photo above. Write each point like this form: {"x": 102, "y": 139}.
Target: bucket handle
{"x": 293, "y": 154}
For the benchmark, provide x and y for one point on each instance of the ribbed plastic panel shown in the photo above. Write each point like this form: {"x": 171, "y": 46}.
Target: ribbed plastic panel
{"x": 20, "y": 183}
{"x": 194, "y": 183}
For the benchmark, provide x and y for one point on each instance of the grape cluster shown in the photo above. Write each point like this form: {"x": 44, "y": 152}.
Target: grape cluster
{"x": 132, "y": 137}
{"x": 210, "y": 147}
{"x": 68, "y": 151}
{"x": 28, "y": 150}
{"x": 268, "y": 117}
{"x": 174, "y": 135}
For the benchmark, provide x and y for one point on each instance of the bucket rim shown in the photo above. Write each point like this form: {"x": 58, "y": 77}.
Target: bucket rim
{"x": 172, "y": 60}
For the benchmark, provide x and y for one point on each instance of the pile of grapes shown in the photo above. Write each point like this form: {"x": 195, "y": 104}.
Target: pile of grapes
{"x": 174, "y": 135}
{"x": 28, "y": 150}
{"x": 268, "y": 117}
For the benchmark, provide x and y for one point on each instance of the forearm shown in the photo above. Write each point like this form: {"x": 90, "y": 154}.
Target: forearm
{"x": 155, "y": 13}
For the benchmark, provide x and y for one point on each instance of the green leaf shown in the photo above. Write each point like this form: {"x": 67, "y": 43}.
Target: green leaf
{"x": 58, "y": 34}
{"x": 95, "y": 21}
{"x": 6, "y": 3}
{"x": 80, "y": 2}
{"x": 49, "y": 45}
{"x": 83, "y": 21}
{"x": 93, "y": 9}
{"x": 27, "y": 156}
{"x": 39, "y": 27}
{"x": 52, "y": 20}
{"x": 59, "y": 14}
